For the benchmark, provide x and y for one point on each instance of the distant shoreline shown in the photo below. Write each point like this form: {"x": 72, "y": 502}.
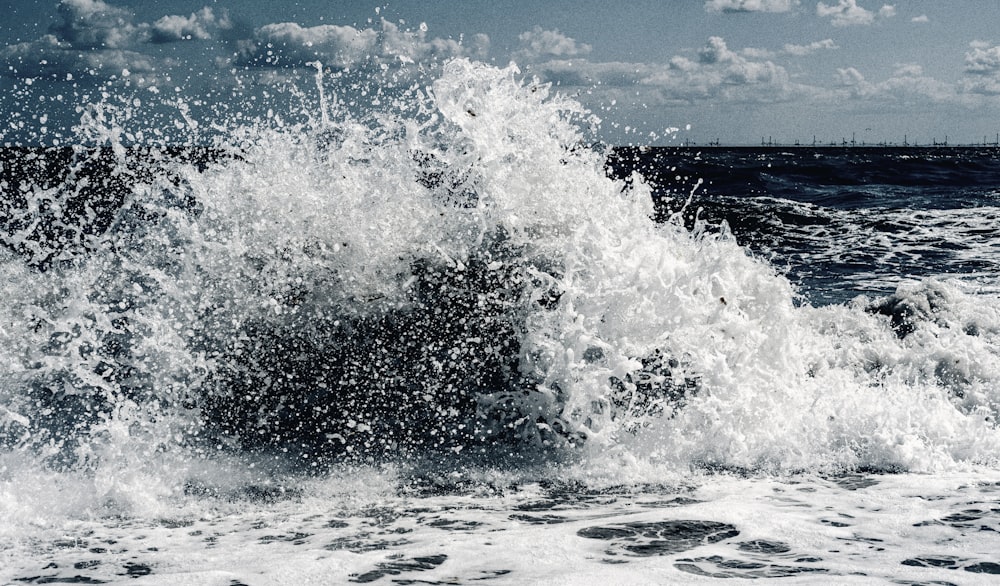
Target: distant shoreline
{"x": 816, "y": 147}
{"x": 180, "y": 150}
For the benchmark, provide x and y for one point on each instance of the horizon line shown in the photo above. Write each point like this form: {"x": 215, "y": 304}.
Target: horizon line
{"x": 769, "y": 141}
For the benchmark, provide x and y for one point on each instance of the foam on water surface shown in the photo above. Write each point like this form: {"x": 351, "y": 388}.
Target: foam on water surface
{"x": 845, "y": 529}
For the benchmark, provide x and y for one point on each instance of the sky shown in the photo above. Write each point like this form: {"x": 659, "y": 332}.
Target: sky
{"x": 654, "y": 71}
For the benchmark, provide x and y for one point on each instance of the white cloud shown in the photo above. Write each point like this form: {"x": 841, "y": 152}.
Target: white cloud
{"x": 801, "y": 50}
{"x": 95, "y": 38}
{"x": 789, "y": 49}
{"x": 288, "y": 44}
{"x": 982, "y": 59}
{"x": 848, "y": 13}
{"x": 96, "y": 25}
{"x": 907, "y": 86}
{"x": 850, "y": 77}
{"x": 982, "y": 64}
{"x": 756, "y": 53}
{"x": 908, "y": 70}
{"x": 579, "y": 72}
{"x": 716, "y": 51}
{"x": 750, "y": 5}
{"x": 718, "y": 73}
{"x": 50, "y": 57}
{"x": 416, "y": 46}
{"x": 921, "y": 18}
{"x": 93, "y": 24}
{"x": 198, "y": 25}
{"x": 539, "y": 43}
{"x": 845, "y": 13}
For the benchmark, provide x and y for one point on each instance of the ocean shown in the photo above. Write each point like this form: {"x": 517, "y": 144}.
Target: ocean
{"x": 841, "y": 221}
{"x": 456, "y": 340}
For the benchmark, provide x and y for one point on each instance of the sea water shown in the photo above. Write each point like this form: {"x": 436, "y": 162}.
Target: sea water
{"x": 446, "y": 338}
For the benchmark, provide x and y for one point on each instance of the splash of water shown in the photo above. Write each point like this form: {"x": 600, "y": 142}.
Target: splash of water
{"x": 454, "y": 275}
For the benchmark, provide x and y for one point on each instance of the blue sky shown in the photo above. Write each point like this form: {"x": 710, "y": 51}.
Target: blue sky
{"x": 732, "y": 70}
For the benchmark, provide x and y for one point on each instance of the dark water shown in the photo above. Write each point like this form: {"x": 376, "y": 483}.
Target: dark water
{"x": 841, "y": 221}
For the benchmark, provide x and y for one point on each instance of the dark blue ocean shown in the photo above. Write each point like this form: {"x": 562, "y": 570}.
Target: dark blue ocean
{"x": 840, "y": 221}
{"x": 446, "y": 342}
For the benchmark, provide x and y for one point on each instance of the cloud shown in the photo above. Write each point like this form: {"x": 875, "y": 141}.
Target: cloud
{"x": 908, "y": 70}
{"x": 93, "y": 24}
{"x": 94, "y": 38}
{"x": 539, "y": 43}
{"x": 982, "y": 59}
{"x": 96, "y": 25}
{"x": 756, "y": 53}
{"x": 848, "y": 13}
{"x": 907, "y": 86}
{"x": 789, "y": 49}
{"x": 921, "y": 18}
{"x": 850, "y": 77}
{"x": 582, "y": 73}
{"x": 724, "y": 67}
{"x": 89, "y": 39}
{"x": 802, "y": 50}
{"x": 982, "y": 65}
{"x": 198, "y": 25}
{"x": 288, "y": 44}
{"x": 415, "y": 46}
{"x": 750, "y": 5}
{"x": 717, "y": 73}
{"x": 50, "y": 57}
{"x": 716, "y": 51}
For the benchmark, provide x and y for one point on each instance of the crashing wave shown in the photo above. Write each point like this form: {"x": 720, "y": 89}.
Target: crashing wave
{"x": 451, "y": 273}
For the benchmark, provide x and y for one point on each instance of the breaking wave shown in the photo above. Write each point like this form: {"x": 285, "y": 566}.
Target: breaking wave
{"x": 452, "y": 276}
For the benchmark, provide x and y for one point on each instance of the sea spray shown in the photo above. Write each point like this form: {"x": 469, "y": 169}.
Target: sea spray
{"x": 452, "y": 276}
{"x": 336, "y": 288}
